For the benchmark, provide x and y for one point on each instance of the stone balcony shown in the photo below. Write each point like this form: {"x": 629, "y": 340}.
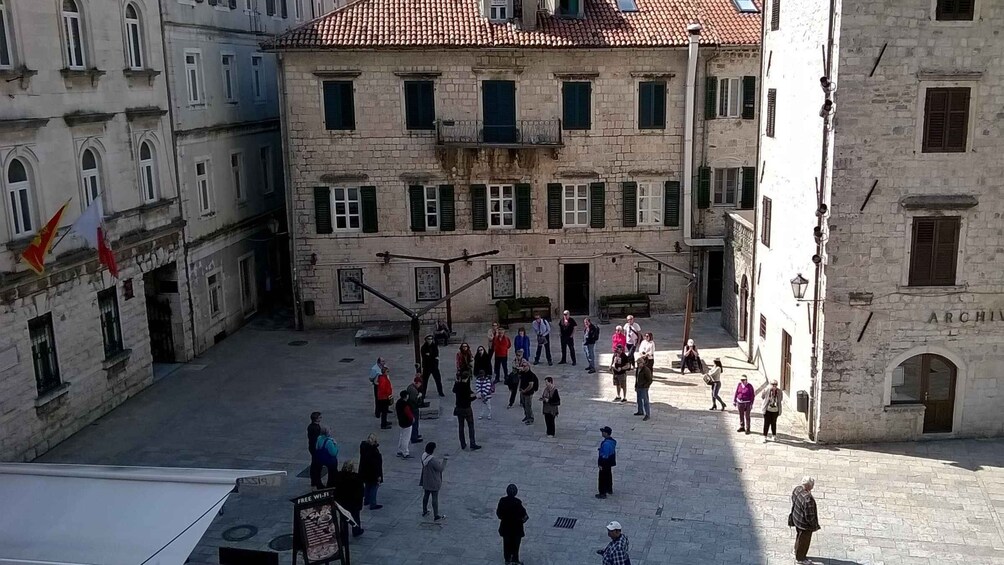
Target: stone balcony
{"x": 520, "y": 135}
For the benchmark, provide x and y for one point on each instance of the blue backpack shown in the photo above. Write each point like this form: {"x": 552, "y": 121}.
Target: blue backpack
{"x": 324, "y": 457}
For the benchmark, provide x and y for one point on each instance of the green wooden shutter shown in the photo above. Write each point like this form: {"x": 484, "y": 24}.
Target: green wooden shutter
{"x": 368, "y": 204}
{"x": 597, "y": 206}
{"x": 710, "y": 98}
{"x": 749, "y": 188}
{"x": 671, "y": 204}
{"x": 479, "y": 207}
{"x": 703, "y": 187}
{"x": 447, "y": 208}
{"x": 630, "y": 201}
{"x": 554, "y": 217}
{"x": 322, "y": 209}
{"x": 522, "y": 206}
{"x": 416, "y": 197}
{"x": 749, "y": 98}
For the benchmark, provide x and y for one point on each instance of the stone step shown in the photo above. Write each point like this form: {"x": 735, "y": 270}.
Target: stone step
{"x": 431, "y": 412}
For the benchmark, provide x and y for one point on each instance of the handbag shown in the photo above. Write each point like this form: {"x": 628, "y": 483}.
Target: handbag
{"x": 707, "y": 379}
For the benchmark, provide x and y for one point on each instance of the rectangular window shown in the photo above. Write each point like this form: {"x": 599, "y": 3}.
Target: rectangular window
{"x": 649, "y": 282}
{"x": 298, "y": 9}
{"x": 257, "y": 79}
{"x": 193, "y": 76}
{"x": 345, "y": 208}
{"x": 270, "y": 7}
{"x": 726, "y": 182}
{"x": 765, "y": 228}
{"x": 237, "y": 175}
{"x": 763, "y": 326}
{"x": 265, "y": 169}
{"x": 214, "y": 286}
{"x": 431, "y": 208}
{"x": 955, "y": 10}
{"x": 499, "y": 11}
{"x": 650, "y": 203}
{"x": 419, "y": 104}
{"x": 134, "y": 43}
{"x": 43, "y": 354}
{"x": 428, "y": 284}
{"x": 568, "y": 8}
{"x": 204, "y": 187}
{"x": 652, "y": 105}
{"x": 111, "y": 327}
{"x": 229, "y": 78}
{"x": 6, "y": 47}
{"x": 503, "y": 281}
{"x": 249, "y": 291}
{"x": 771, "y": 110}
{"x": 74, "y": 38}
{"x": 501, "y": 206}
{"x": 934, "y": 250}
{"x": 730, "y": 98}
{"x": 339, "y": 110}
{"x": 576, "y": 105}
{"x": 946, "y": 120}
{"x": 349, "y": 292}
{"x": 775, "y": 15}
{"x": 575, "y": 205}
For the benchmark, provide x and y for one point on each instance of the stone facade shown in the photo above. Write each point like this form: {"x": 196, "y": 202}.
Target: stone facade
{"x": 878, "y": 327}
{"x": 382, "y": 153}
{"x": 54, "y": 120}
{"x": 739, "y": 242}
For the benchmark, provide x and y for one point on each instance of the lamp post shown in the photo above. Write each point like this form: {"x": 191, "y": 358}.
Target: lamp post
{"x": 799, "y": 285}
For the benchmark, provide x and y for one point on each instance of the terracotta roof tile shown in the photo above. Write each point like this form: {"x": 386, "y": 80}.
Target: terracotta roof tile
{"x": 459, "y": 24}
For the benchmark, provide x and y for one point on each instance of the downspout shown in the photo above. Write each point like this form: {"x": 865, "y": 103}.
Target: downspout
{"x": 694, "y": 31}
{"x": 287, "y": 178}
{"x": 750, "y": 356}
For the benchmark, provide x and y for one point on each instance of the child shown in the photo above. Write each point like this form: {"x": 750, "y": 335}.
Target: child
{"x": 485, "y": 389}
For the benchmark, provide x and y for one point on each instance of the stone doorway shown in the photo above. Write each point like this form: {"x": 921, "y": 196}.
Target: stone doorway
{"x": 577, "y": 288}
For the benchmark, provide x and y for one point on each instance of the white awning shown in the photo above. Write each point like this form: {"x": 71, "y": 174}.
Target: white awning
{"x": 104, "y": 515}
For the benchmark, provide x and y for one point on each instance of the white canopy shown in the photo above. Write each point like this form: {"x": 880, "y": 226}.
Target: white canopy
{"x": 91, "y": 515}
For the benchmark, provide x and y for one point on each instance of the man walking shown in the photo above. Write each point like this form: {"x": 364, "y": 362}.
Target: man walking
{"x": 566, "y": 331}
{"x": 616, "y": 552}
{"x": 606, "y": 461}
{"x": 405, "y": 419}
{"x": 542, "y": 328}
{"x": 803, "y": 518}
{"x": 463, "y": 411}
{"x": 500, "y": 347}
{"x": 632, "y": 332}
{"x": 430, "y": 365}
{"x": 528, "y": 385}
{"x": 642, "y": 381}
{"x": 415, "y": 397}
{"x": 375, "y": 371}
{"x": 313, "y": 432}
{"x": 590, "y": 335}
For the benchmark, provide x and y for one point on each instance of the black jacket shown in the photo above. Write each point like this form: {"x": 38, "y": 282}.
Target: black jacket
{"x": 401, "y": 408}
{"x": 349, "y": 490}
{"x": 370, "y": 463}
{"x": 464, "y": 393}
{"x": 594, "y": 334}
{"x": 430, "y": 354}
{"x": 525, "y": 379}
{"x": 483, "y": 362}
{"x": 313, "y": 432}
{"x": 510, "y": 513}
{"x": 567, "y": 331}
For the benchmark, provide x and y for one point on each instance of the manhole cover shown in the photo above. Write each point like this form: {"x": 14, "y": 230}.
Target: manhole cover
{"x": 282, "y": 543}
{"x": 567, "y": 523}
{"x": 346, "y": 359}
{"x": 297, "y": 343}
{"x": 240, "y": 533}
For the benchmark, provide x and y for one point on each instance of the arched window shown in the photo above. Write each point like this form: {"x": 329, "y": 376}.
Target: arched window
{"x": 134, "y": 42}
{"x": 148, "y": 172}
{"x": 19, "y": 196}
{"x": 927, "y": 379}
{"x": 74, "y": 35}
{"x": 90, "y": 173}
{"x": 6, "y": 41}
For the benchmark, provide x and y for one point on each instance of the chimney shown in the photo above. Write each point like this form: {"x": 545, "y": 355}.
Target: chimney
{"x": 529, "y": 14}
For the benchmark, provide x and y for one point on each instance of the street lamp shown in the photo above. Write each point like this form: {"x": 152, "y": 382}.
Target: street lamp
{"x": 799, "y": 284}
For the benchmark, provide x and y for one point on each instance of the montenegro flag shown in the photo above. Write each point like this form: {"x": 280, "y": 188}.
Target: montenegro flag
{"x": 34, "y": 254}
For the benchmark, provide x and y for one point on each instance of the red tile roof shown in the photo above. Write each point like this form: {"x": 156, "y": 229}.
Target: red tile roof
{"x": 459, "y": 24}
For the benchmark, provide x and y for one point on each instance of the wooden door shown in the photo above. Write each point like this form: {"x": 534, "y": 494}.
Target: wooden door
{"x": 498, "y": 99}
{"x": 785, "y": 362}
{"x": 937, "y": 387}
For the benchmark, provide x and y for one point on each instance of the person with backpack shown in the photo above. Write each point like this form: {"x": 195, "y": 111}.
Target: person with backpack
{"x": 313, "y": 431}
{"x": 415, "y": 400}
{"x": 326, "y": 451}
{"x": 542, "y": 328}
{"x": 405, "y": 419}
{"x": 551, "y": 400}
{"x": 619, "y": 365}
{"x": 432, "y": 480}
{"x": 566, "y": 331}
{"x": 606, "y": 461}
{"x": 590, "y": 335}
{"x": 349, "y": 494}
{"x": 463, "y": 410}
{"x": 512, "y": 382}
{"x": 528, "y": 385}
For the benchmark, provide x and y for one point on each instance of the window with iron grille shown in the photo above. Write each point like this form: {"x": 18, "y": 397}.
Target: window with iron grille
{"x": 43, "y": 354}
{"x": 111, "y": 327}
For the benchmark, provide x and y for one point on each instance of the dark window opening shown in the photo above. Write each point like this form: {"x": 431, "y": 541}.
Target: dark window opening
{"x": 933, "y": 251}
{"x": 43, "y": 354}
{"x": 111, "y": 327}
{"x": 339, "y": 109}
{"x": 652, "y": 105}
{"x": 576, "y": 105}
{"x": 955, "y": 10}
{"x": 419, "y": 104}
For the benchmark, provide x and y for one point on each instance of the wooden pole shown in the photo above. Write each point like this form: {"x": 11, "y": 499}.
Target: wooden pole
{"x": 688, "y": 315}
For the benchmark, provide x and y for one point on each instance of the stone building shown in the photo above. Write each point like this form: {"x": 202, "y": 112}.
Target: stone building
{"x": 901, "y": 251}
{"x": 84, "y": 117}
{"x": 555, "y": 133}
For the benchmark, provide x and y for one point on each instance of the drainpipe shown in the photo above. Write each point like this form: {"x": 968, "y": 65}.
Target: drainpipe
{"x": 288, "y": 179}
{"x": 694, "y": 31}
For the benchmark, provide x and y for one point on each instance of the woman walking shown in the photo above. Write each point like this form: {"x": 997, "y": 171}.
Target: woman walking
{"x": 551, "y": 400}
{"x": 771, "y": 408}
{"x": 619, "y": 367}
{"x": 512, "y": 515}
{"x": 432, "y": 480}
{"x": 618, "y": 338}
{"x": 522, "y": 343}
{"x": 463, "y": 411}
{"x": 349, "y": 494}
{"x": 482, "y": 361}
{"x": 485, "y": 389}
{"x": 743, "y": 400}
{"x": 715, "y": 374}
{"x": 590, "y": 335}
{"x": 385, "y": 392}
{"x": 371, "y": 470}
{"x": 465, "y": 359}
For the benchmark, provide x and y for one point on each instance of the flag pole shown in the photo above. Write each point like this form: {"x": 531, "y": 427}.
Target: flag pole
{"x": 65, "y": 233}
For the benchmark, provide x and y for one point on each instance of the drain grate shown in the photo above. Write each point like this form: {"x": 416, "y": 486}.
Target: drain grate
{"x": 346, "y": 359}
{"x": 297, "y": 343}
{"x": 566, "y": 523}
{"x": 282, "y": 543}
{"x": 240, "y": 533}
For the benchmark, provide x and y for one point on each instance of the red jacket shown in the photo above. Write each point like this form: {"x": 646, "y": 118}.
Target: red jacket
{"x": 384, "y": 389}
{"x": 500, "y": 345}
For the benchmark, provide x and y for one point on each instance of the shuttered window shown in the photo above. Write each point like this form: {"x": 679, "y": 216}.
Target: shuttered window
{"x": 748, "y": 196}
{"x": 955, "y": 10}
{"x": 555, "y": 192}
{"x": 419, "y": 104}
{"x": 523, "y": 212}
{"x": 765, "y": 224}
{"x": 771, "y": 110}
{"x": 763, "y": 326}
{"x": 933, "y": 251}
{"x": 447, "y": 208}
{"x": 703, "y": 187}
{"x": 368, "y": 203}
{"x": 749, "y": 97}
{"x": 339, "y": 109}
{"x": 479, "y": 207}
{"x": 322, "y": 209}
{"x": 946, "y": 120}
{"x": 671, "y": 217}
{"x": 652, "y": 105}
{"x": 597, "y": 206}
{"x": 629, "y": 194}
{"x": 775, "y": 15}
{"x": 710, "y": 98}
{"x": 576, "y": 105}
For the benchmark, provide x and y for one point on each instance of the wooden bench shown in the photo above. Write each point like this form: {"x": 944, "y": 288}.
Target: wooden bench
{"x": 618, "y": 309}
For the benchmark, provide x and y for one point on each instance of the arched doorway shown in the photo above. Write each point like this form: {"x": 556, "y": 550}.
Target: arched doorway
{"x": 744, "y": 300}
{"x": 927, "y": 379}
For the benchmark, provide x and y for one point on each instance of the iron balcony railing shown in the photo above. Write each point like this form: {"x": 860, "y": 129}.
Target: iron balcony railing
{"x": 475, "y": 133}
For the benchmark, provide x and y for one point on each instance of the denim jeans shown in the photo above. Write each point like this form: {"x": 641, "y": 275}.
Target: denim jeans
{"x": 370, "y": 494}
{"x": 414, "y": 429}
{"x": 590, "y": 350}
{"x": 643, "y": 405}
{"x": 715, "y": 387}
{"x": 501, "y": 367}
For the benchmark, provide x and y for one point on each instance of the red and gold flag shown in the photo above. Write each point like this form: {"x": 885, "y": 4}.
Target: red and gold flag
{"x": 34, "y": 254}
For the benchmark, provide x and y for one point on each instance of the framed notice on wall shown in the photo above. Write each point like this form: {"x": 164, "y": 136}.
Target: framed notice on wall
{"x": 317, "y": 532}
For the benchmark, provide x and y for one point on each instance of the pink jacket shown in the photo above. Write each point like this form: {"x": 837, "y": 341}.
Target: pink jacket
{"x": 744, "y": 393}
{"x": 618, "y": 339}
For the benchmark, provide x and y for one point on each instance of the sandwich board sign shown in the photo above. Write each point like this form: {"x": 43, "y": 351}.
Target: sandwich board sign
{"x": 317, "y": 529}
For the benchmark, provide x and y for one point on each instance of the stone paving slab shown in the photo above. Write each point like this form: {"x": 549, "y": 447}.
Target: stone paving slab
{"x": 688, "y": 488}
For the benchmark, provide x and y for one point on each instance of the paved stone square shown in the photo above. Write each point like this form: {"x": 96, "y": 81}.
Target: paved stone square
{"x": 688, "y": 488}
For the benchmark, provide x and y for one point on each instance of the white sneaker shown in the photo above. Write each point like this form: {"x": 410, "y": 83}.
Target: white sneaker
{"x": 766, "y": 439}
{"x": 773, "y": 437}
{"x": 489, "y": 416}
{"x": 481, "y": 417}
